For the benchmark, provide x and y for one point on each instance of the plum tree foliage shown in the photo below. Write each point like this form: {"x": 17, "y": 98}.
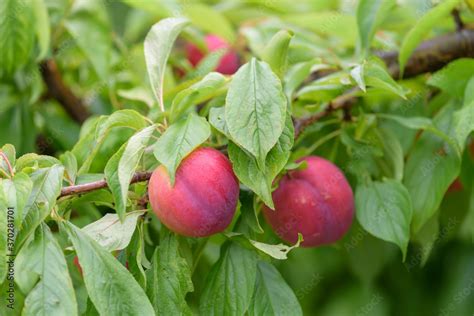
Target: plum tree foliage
{"x": 229, "y": 157}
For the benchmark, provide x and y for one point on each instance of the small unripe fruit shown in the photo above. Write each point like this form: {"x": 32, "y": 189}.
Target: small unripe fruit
{"x": 228, "y": 64}
{"x": 204, "y": 197}
{"x": 317, "y": 202}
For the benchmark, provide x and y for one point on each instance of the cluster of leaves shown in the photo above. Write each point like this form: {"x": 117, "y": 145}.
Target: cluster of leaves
{"x": 401, "y": 144}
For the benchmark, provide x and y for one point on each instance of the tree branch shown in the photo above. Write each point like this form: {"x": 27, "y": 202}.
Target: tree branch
{"x": 430, "y": 56}
{"x": 457, "y": 19}
{"x": 434, "y": 54}
{"x": 59, "y": 91}
{"x": 92, "y": 186}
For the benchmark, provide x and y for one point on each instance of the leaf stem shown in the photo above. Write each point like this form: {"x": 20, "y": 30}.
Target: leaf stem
{"x": 10, "y": 169}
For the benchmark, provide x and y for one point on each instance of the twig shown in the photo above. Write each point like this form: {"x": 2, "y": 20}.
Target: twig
{"x": 61, "y": 92}
{"x": 433, "y": 55}
{"x": 344, "y": 101}
{"x": 457, "y": 20}
{"x": 88, "y": 187}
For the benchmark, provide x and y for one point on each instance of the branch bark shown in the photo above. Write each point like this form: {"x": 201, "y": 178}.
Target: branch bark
{"x": 430, "y": 56}
{"x": 96, "y": 185}
{"x": 61, "y": 92}
{"x": 434, "y": 54}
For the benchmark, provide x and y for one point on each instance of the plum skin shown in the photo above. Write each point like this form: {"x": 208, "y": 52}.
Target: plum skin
{"x": 204, "y": 197}
{"x": 317, "y": 202}
{"x": 228, "y": 64}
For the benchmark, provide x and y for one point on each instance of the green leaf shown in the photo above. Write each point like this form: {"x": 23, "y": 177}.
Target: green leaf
{"x": 420, "y": 123}
{"x": 376, "y": 76}
{"x": 158, "y": 44}
{"x": 426, "y": 238}
{"x": 249, "y": 173}
{"x": 4, "y": 237}
{"x": 199, "y": 92}
{"x": 279, "y": 251}
{"x": 341, "y": 26}
{"x": 413, "y": 122}
{"x": 16, "y": 124}
{"x": 111, "y": 288}
{"x": 16, "y": 34}
{"x": 123, "y": 118}
{"x": 249, "y": 213}
{"x": 207, "y": 64}
{"x": 297, "y": 73}
{"x": 230, "y": 283}
{"x": 464, "y": 123}
{"x": 392, "y": 153}
{"x": 275, "y": 52}
{"x": 53, "y": 294}
{"x": 90, "y": 142}
{"x": 179, "y": 140}
{"x": 470, "y": 3}
{"x": 140, "y": 94}
{"x": 89, "y": 27}
{"x": 42, "y": 28}
{"x": 469, "y": 91}
{"x": 14, "y": 194}
{"x": 9, "y": 151}
{"x": 59, "y": 128}
{"x": 430, "y": 169}
{"x": 421, "y": 28}
{"x": 135, "y": 256}
{"x": 34, "y": 161}
{"x": 272, "y": 294}
{"x": 217, "y": 120}
{"x": 385, "y": 210}
{"x": 454, "y": 77}
{"x": 368, "y": 255}
{"x": 357, "y": 73}
{"x": 121, "y": 167}
{"x": 210, "y": 20}
{"x": 17, "y": 190}
{"x": 169, "y": 279}
{"x": 159, "y": 9}
{"x": 464, "y": 118}
{"x": 47, "y": 184}
{"x": 69, "y": 162}
{"x": 370, "y": 14}
{"x": 112, "y": 234}
{"x": 255, "y": 109}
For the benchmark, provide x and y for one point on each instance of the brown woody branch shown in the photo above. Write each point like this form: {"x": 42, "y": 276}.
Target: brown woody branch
{"x": 61, "y": 92}
{"x": 434, "y": 54}
{"x": 92, "y": 186}
{"x": 457, "y": 19}
{"x": 430, "y": 56}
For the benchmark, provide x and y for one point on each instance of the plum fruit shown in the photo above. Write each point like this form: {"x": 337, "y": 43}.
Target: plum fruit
{"x": 202, "y": 200}
{"x": 317, "y": 202}
{"x": 228, "y": 64}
